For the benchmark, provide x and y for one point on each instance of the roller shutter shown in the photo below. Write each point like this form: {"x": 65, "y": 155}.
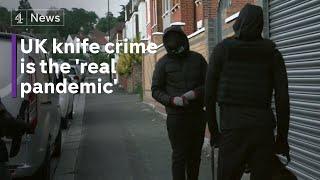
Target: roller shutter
{"x": 295, "y": 27}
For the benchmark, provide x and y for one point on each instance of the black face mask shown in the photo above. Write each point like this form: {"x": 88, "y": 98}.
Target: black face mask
{"x": 175, "y": 43}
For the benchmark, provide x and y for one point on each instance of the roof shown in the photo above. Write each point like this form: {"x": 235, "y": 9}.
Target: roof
{"x": 117, "y": 29}
{"x": 98, "y": 37}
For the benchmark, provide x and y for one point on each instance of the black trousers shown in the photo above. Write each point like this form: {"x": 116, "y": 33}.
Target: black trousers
{"x": 252, "y": 146}
{"x": 4, "y": 172}
{"x": 186, "y": 134}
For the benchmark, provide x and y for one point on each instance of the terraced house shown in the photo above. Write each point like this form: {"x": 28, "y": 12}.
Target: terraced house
{"x": 294, "y": 25}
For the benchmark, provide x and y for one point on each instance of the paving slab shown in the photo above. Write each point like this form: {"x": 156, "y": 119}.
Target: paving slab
{"x": 66, "y": 166}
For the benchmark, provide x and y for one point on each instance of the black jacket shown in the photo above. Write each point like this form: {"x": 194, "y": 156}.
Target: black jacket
{"x": 9, "y": 127}
{"x": 243, "y": 72}
{"x": 175, "y": 75}
{"x": 5, "y": 118}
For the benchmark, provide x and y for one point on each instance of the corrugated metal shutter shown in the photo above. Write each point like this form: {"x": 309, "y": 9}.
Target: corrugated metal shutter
{"x": 295, "y": 27}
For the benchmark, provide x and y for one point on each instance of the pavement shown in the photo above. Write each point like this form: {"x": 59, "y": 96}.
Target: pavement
{"x": 65, "y": 169}
{"x": 118, "y": 138}
{"x": 124, "y": 139}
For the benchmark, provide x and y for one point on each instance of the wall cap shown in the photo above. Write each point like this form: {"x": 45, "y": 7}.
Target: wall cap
{"x": 189, "y": 37}
{"x": 157, "y": 33}
{"x": 178, "y": 24}
{"x": 175, "y": 7}
{"x": 232, "y": 17}
{"x": 197, "y": 32}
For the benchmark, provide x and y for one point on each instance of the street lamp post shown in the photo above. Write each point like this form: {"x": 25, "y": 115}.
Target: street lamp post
{"x": 109, "y": 35}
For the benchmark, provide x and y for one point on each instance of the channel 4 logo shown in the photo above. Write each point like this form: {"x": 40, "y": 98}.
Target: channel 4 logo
{"x": 37, "y": 17}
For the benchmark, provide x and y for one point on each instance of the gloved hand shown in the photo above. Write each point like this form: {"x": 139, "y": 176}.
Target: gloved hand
{"x": 180, "y": 101}
{"x": 18, "y": 128}
{"x": 28, "y": 128}
{"x": 282, "y": 146}
{"x": 190, "y": 95}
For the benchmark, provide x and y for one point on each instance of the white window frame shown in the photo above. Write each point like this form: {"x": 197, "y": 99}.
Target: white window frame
{"x": 154, "y": 18}
{"x": 148, "y": 11}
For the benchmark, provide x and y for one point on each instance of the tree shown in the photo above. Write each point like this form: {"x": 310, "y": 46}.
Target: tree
{"x": 122, "y": 16}
{"x": 75, "y": 19}
{"x": 100, "y": 58}
{"x": 4, "y": 17}
{"x": 103, "y": 23}
{"x": 24, "y": 4}
{"x": 126, "y": 60}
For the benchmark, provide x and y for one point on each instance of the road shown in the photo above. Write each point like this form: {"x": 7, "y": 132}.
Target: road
{"x": 124, "y": 139}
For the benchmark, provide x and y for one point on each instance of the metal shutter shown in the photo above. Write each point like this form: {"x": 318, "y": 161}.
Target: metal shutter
{"x": 295, "y": 27}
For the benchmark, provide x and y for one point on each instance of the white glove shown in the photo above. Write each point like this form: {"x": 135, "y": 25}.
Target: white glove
{"x": 190, "y": 95}
{"x": 180, "y": 101}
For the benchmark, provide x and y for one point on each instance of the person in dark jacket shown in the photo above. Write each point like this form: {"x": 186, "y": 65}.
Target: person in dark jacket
{"x": 178, "y": 83}
{"x": 243, "y": 73}
{"x": 10, "y": 128}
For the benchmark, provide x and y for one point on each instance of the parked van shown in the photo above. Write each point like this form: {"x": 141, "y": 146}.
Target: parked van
{"x": 40, "y": 110}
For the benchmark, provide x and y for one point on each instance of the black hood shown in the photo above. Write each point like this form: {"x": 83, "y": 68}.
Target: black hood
{"x": 249, "y": 24}
{"x": 175, "y": 34}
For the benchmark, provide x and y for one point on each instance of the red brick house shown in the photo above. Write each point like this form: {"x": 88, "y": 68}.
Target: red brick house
{"x": 294, "y": 27}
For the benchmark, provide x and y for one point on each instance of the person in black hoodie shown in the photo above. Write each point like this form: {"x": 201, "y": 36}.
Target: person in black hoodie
{"x": 243, "y": 72}
{"x": 10, "y": 128}
{"x": 178, "y": 83}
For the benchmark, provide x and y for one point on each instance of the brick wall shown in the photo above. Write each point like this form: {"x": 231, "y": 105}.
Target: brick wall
{"x": 185, "y": 13}
{"x": 150, "y": 24}
{"x": 199, "y": 11}
{"x": 198, "y": 44}
{"x": 148, "y": 65}
{"x": 237, "y": 5}
{"x": 199, "y": 14}
{"x": 176, "y": 12}
{"x": 157, "y": 38}
{"x": 123, "y": 82}
{"x": 149, "y": 30}
{"x": 228, "y": 10}
{"x": 188, "y": 15}
{"x": 131, "y": 82}
{"x": 156, "y": 24}
{"x": 159, "y": 16}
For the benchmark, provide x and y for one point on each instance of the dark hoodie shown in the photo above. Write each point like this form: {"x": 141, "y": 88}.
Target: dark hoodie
{"x": 178, "y": 72}
{"x": 249, "y": 24}
{"x": 243, "y": 72}
{"x": 176, "y": 42}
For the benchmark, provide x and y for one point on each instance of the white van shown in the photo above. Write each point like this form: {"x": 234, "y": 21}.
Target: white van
{"x": 42, "y": 111}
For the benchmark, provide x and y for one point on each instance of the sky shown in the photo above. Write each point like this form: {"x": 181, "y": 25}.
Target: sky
{"x": 100, "y": 7}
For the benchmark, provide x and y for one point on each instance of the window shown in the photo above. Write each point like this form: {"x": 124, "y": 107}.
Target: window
{"x": 148, "y": 11}
{"x": 167, "y": 5}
